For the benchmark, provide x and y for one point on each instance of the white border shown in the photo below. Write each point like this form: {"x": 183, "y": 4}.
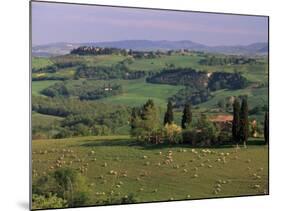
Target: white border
{"x": 14, "y": 89}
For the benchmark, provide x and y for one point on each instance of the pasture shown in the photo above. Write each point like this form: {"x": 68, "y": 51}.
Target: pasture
{"x": 116, "y": 166}
{"x": 38, "y": 86}
{"x": 136, "y": 92}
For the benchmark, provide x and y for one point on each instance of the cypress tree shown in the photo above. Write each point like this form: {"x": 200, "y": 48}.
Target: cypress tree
{"x": 169, "y": 117}
{"x": 244, "y": 122}
{"x": 266, "y": 128}
{"x": 187, "y": 116}
{"x": 236, "y": 121}
{"x": 134, "y": 115}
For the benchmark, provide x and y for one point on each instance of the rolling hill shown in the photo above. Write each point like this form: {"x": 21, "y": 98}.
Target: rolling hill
{"x": 54, "y": 49}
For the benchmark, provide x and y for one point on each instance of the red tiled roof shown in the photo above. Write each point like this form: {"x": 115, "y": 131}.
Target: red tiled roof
{"x": 221, "y": 118}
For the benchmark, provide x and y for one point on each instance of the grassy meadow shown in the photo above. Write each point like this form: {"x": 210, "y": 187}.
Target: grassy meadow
{"x": 146, "y": 172}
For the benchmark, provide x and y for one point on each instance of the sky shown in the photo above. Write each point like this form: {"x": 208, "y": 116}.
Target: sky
{"x": 57, "y": 22}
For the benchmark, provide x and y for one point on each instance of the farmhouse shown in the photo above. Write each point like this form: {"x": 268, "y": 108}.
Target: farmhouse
{"x": 224, "y": 122}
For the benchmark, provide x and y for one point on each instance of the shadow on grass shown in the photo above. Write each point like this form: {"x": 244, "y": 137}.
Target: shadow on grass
{"x": 110, "y": 143}
{"x": 146, "y": 146}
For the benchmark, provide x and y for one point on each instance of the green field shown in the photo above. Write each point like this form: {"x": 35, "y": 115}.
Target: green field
{"x": 44, "y": 120}
{"x": 136, "y": 92}
{"x": 40, "y": 62}
{"x": 38, "y": 86}
{"x": 145, "y": 172}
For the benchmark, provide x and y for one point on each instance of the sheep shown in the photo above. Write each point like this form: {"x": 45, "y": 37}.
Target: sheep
{"x": 210, "y": 166}
{"x": 147, "y": 163}
{"x": 195, "y": 168}
{"x": 112, "y": 172}
{"x": 218, "y": 185}
{"x": 105, "y": 164}
{"x": 145, "y": 157}
{"x": 188, "y": 196}
{"x": 219, "y": 181}
{"x": 176, "y": 166}
{"x": 155, "y": 190}
{"x": 141, "y": 189}
{"x": 118, "y": 186}
{"x": 195, "y": 176}
{"x": 257, "y": 186}
{"x": 143, "y": 174}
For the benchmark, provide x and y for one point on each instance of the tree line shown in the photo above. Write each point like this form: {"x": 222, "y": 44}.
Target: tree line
{"x": 83, "y": 91}
{"x": 146, "y": 127}
{"x": 80, "y": 118}
{"x": 229, "y": 60}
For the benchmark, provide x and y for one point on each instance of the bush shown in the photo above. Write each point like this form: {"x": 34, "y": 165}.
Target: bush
{"x": 189, "y": 136}
{"x": 66, "y": 184}
{"x": 223, "y": 138}
{"x": 130, "y": 199}
{"x": 51, "y": 201}
{"x": 173, "y": 132}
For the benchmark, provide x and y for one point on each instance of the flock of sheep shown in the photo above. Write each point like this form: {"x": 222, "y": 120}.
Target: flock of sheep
{"x": 195, "y": 161}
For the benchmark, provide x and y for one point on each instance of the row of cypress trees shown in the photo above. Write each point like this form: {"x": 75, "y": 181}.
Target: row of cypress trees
{"x": 186, "y": 116}
{"x": 240, "y": 122}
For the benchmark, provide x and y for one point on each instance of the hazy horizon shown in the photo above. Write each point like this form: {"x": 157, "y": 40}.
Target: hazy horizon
{"x": 58, "y": 22}
{"x": 34, "y": 45}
